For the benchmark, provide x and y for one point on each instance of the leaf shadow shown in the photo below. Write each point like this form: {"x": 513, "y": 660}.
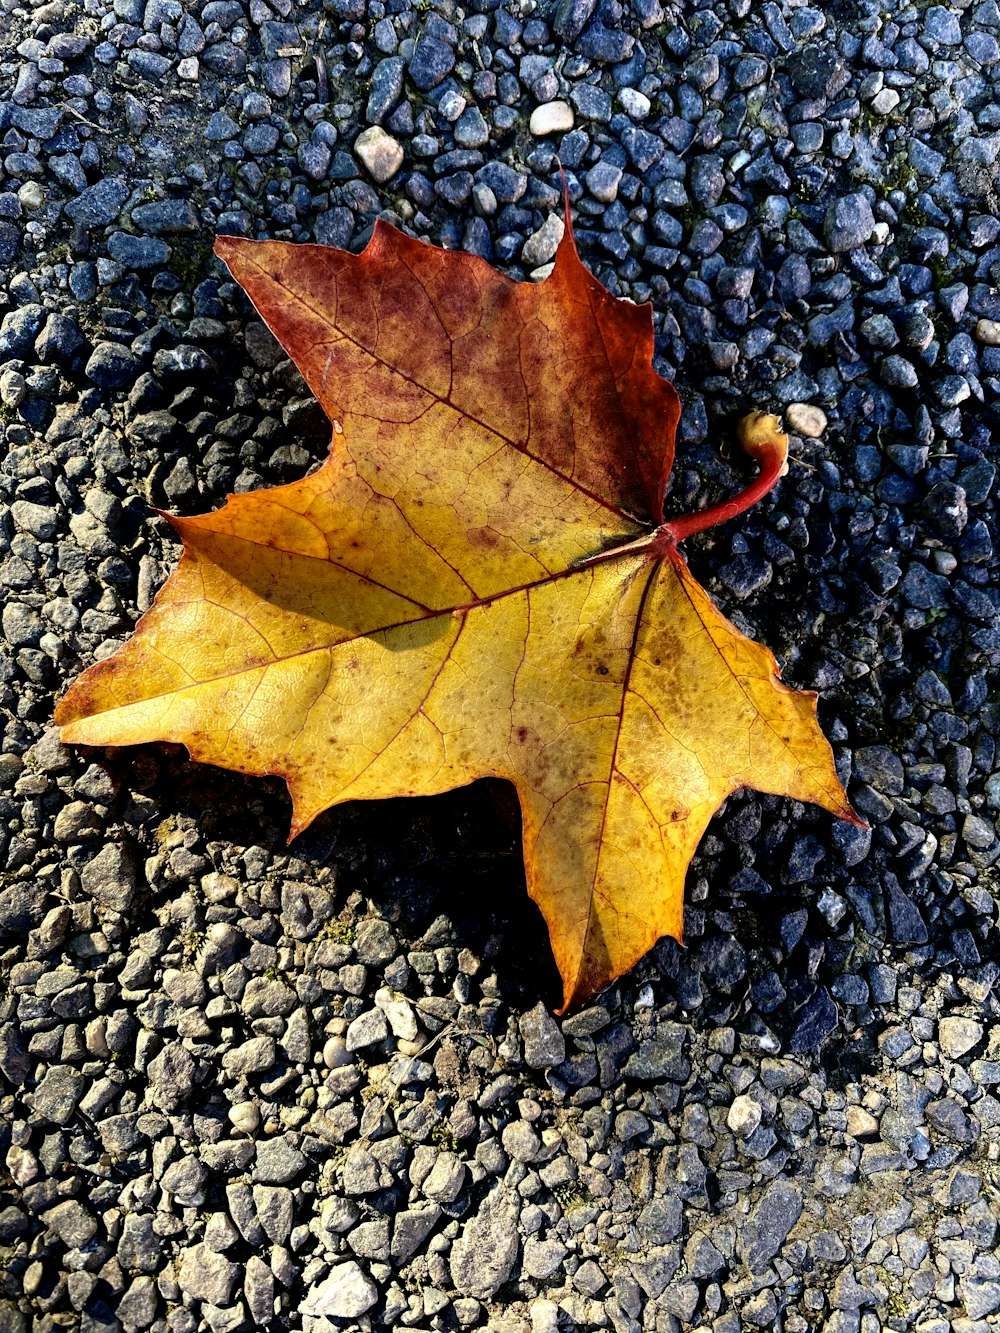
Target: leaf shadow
{"x": 761, "y": 947}
{"x": 444, "y": 869}
{"x": 457, "y": 856}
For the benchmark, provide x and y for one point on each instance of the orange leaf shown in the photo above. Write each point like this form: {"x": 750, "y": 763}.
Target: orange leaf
{"x": 478, "y": 582}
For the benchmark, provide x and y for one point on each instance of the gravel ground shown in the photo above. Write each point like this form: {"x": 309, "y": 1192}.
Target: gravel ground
{"x": 249, "y": 1087}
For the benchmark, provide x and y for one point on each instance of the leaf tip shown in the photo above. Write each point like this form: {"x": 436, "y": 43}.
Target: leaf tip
{"x": 566, "y": 249}
{"x": 76, "y": 705}
{"x": 233, "y": 251}
{"x": 839, "y": 805}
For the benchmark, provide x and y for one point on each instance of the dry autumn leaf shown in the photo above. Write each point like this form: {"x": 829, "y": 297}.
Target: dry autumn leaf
{"x": 477, "y": 582}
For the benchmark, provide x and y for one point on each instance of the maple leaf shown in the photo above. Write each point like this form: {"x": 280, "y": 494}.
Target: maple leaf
{"x": 477, "y": 582}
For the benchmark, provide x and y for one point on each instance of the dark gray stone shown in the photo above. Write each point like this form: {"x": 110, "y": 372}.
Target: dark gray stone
{"x": 432, "y": 61}
{"x": 507, "y": 184}
{"x": 815, "y": 1022}
{"x": 661, "y": 1057}
{"x": 363, "y": 1173}
{"x": 571, "y": 17}
{"x": 261, "y": 140}
{"x": 544, "y": 1044}
{"x": 644, "y": 148}
{"x": 942, "y": 26}
{"x": 881, "y": 767}
{"x": 205, "y": 1275}
{"x": 99, "y": 204}
{"x": 10, "y": 243}
{"x": 22, "y": 906}
{"x": 169, "y": 217}
{"x": 946, "y": 510}
{"x": 602, "y": 181}
{"x": 19, "y": 330}
{"x": 591, "y": 103}
{"x": 220, "y": 127}
{"x": 606, "y": 46}
{"x": 111, "y": 877}
{"x": 224, "y": 59}
{"x": 139, "y": 1249}
{"x": 707, "y": 179}
{"x": 924, "y": 590}
{"x": 275, "y": 1208}
{"x": 849, "y": 223}
{"x": 59, "y": 341}
{"x": 40, "y": 122}
{"x": 111, "y": 366}
{"x": 471, "y": 130}
{"x": 484, "y": 1255}
{"x": 16, "y": 1064}
{"x": 768, "y": 1225}
{"x": 171, "y": 1075}
{"x": 184, "y": 1180}
{"x": 948, "y": 1118}
{"x": 72, "y": 1223}
{"x": 304, "y": 909}
{"x": 137, "y": 252}
{"x": 58, "y": 1094}
{"x": 410, "y": 1229}
{"x": 661, "y": 1220}
{"x": 905, "y": 921}
{"x": 138, "y": 1306}
{"x": 386, "y": 88}
{"x": 278, "y": 1162}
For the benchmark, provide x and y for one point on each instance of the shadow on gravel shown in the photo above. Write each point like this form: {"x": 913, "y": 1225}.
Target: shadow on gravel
{"x": 418, "y": 859}
{"x": 446, "y": 871}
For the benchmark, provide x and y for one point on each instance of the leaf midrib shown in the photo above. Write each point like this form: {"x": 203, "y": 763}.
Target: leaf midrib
{"x": 601, "y": 557}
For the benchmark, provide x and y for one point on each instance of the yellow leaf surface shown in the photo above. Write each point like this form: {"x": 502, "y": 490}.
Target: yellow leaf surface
{"x": 478, "y": 582}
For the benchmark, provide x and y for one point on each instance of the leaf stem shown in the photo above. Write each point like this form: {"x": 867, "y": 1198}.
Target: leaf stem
{"x": 760, "y": 437}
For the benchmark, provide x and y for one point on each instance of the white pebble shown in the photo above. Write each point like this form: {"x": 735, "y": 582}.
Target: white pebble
{"x": 346, "y": 1293}
{"x": 96, "y": 1037}
{"x": 12, "y": 388}
{"x": 957, "y": 1036}
{"x": 544, "y": 1316}
{"x": 885, "y": 101}
{"x": 22, "y": 1165}
{"x": 381, "y": 154}
{"x": 805, "y": 419}
{"x": 634, "y": 103}
{"x": 551, "y": 118}
{"x": 860, "y": 1123}
{"x": 541, "y": 247}
{"x": 398, "y": 1012}
{"x": 744, "y": 1116}
{"x": 484, "y": 201}
{"x": 988, "y": 332}
{"x": 451, "y": 105}
{"x": 31, "y": 195}
{"x": 245, "y": 1117}
{"x": 335, "y": 1053}
{"x": 541, "y": 273}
